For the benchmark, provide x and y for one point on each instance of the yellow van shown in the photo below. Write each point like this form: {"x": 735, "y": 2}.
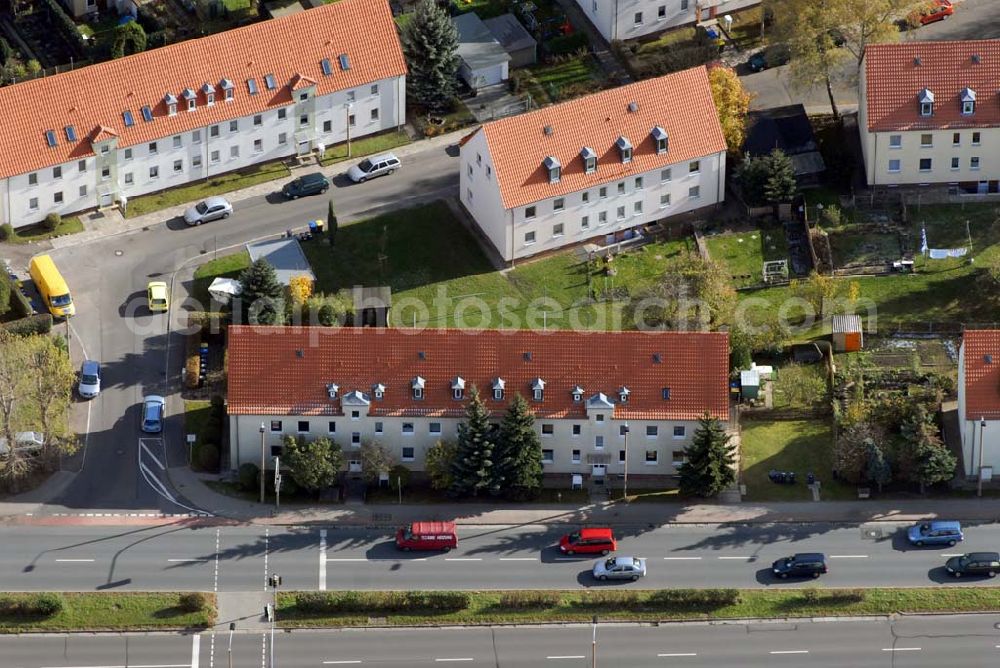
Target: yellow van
{"x": 51, "y": 286}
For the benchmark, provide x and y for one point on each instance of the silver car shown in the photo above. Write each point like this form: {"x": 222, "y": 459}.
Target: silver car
{"x": 90, "y": 379}
{"x": 211, "y": 208}
{"x": 620, "y": 568}
{"x": 376, "y": 165}
{"x": 152, "y": 413}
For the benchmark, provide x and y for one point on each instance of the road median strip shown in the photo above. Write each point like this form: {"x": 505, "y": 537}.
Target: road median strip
{"x": 102, "y": 611}
{"x": 395, "y": 608}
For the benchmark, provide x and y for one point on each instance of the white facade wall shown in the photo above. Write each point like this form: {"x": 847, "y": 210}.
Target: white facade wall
{"x": 894, "y": 158}
{"x": 974, "y": 436}
{"x": 595, "y": 212}
{"x": 485, "y": 76}
{"x": 204, "y": 152}
{"x": 630, "y": 19}
{"x": 566, "y": 447}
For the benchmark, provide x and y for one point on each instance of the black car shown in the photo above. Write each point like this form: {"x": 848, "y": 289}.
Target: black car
{"x": 308, "y": 184}
{"x": 805, "y": 564}
{"x": 974, "y": 563}
{"x": 773, "y": 56}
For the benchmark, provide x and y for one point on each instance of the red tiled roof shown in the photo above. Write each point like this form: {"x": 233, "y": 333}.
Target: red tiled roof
{"x": 982, "y": 378}
{"x": 893, "y": 81}
{"x": 99, "y": 94}
{"x": 680, "y": 103}
{"x": 267, "y": 377}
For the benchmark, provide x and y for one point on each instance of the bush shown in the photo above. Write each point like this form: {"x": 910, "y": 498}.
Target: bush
{"x": 208, "y": 457}
{"x": 692, "y": 599}
{"x": 40, "y": 323}
{"x": 607, "y": 599}
{"x": 524, "y": 600}
{"x": 564, "y": 44}
{"x": 19, "y": 304}
{"x": 65, "y": 25}
{"x": 38, "y": 605}
{"x": 381, "y": 602}
{"x": 192, "y": 364}
{"x": 192, "y": 602}
{"x": 249, "y": 476}
{"x": 7, "y": 232}
{"x": 52, "y": 221}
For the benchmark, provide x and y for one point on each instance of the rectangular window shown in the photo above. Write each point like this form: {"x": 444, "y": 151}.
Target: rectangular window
{"x": 576, "y": 430}
{"x": 548, "y": 429}
{"x": 407, "y": 427}
{"x": 82, "y": 165}
{"x": 894, "y": 166}
{"x": 599, "y": 442}
{"x": 153, "y": 149}
{"x": 684, "y": 5}
{"x": 327, "y": 126}
{"x": 128, "y": 178}
{"x": 665, "y": 176}
{"x": 276, "y": 450}
{"x": 196, "y": 137}
{"x": 652, "y": 457}
{"x": 637, "y": 207}
{"x": 303, "y": 426}
{"x": 974, "y": 164}
{"x": 304, "y": 119}
{"x": 694, "y": 167}
{"x": 154, "y": 172}
{"x": 638, "y": 183}
{"x": 895, "y": 141}
{"x": 558, "y": 204}
{"x": 128, "y": 154}
{"x": 975, "y": 138}
{"x": 621, "y": 213}
{"x": 548, "y": 456}
{"x": 621, "y": 456}
{"x": 694, "y": 192}
{"x": 529, "y": 238}
{"x": 585, "y": 197}
{"x": 57, "y": 172}
{"x": 355, "y": 438}
{"x": 661, "y": 12}
{"x": 351, "y": 120}
{"x": 603, "y": 192}
{"x": 234, "y": 126}
{"x": 282, "y": 114}
{"x": 585, "y": 223}
{"x": 213, "y": 131}
{"x": 83, "y": 191}
{"x": 602, "y": 217}
{"x": 275, "y": 425}
{"x": 408, "y": 454}
{"x": 178, "y": 166}
{"x": 355, "y": 415}
{"x": 664, "y": 200}
{"x": 33, "y": 204}
{"x": 378, "y": 428}
{"x": 638, "y": 18}
{"x": 177, "y": 141}
{"x": 234, "y": 151}
{"x": 282, "y": 139}
{"x": 434, "y": 428}
{"x": 33, "y": 179}
{"x": 331, "y": 427}
{"x": 557, "y": 230}
{"x": 925, "y": 164}
{"x": 926, "y": 140}
{"x": 258, "y": 120}
{"x": 621, "y": 188}
{"x": 105, "y": 173}
{"x": 956, "y": 139}
{"x": 954, "y": 164}
{"x": 679, "y": 431}
{"x": 651, "y": 431}
{"x": 622, "y": 429}
{"x": 196, "y": 161}
{"x": 529, "y": 213}
{"x": 576, "y": 456}
{"x": 258, "y": 145}
{"x": 213, "y": 157}
{"x": 374, "y": 114}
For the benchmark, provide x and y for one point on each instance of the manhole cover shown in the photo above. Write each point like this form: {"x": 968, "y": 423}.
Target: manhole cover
{"x": 119, "y": 253}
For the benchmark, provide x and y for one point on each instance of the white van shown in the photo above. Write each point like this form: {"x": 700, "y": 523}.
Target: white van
{"x": 376, "y": 165}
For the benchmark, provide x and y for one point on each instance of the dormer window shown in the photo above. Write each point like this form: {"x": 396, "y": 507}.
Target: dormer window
{"x": 623, "y": 394}
{"x": 457, "y": 387}
{"x": 331, "y": 390}
{"x": 926, "y": 100}
{"x": 378, "y": 391}
{"x": 191, "y": 98}
{"x": 209, "y": 91}
{"x": 577, "y": 393}
{"x": 538, "y": 389}
{"x": 589, "y": 157}
{"x": 625, "y": 149}
{"x": 418, "y": 387}
{"x": 968, "y": 101}
{"x": 228, "y": 90}
{"x": 498, "y": 388}
{"x": 660, "y": 139}
{"x": 171, "y": 101}
{"x": 554, "y": 169}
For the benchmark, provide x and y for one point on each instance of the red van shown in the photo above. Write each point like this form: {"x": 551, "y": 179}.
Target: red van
{"x": 588, "y": 541}
{"x": 427, "y": 536}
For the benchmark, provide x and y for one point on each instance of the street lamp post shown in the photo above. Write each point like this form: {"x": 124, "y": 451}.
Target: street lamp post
{"x": 593, "y": 645}
{"x": 274, "y": 581}
{"x": 232, "y": 627}
{"x": 982, "y": 434}
{"x": 263, "y": 461}
{"x": 625, "y": 481}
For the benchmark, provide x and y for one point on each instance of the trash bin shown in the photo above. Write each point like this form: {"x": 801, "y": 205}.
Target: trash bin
{"x": 313, "y": 227}
{"x": 319, "y": 225}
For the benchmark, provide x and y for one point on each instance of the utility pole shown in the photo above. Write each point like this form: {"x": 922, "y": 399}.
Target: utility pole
{"x": 625, "y": 482}
{"x": 263, "y": 461}
{"x": 274, "y": 581}
{"x": 277, "y": 482}
{"x": 232, "y": 627}
{"x": 982, "y": 435}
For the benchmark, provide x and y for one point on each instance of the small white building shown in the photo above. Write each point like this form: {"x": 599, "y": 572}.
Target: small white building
{"x": 979, "y": 400}
{"x": 629, "y": 19}
{"x": 929, "y": 115}
{"x": 199, "y": 108}
{"x": 484, "y": 61}
{"x": 597, "y": 167}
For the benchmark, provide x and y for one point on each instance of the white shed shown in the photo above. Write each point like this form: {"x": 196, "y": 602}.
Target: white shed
{"x": 484, "y": 60}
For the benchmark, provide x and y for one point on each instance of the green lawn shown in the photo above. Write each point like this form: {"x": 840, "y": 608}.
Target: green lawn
{"x": 68, "y": 225}
{"x": 851, "y": 247}
{"x": 365, "y": 146}
{"x": 744, "y": 253}
{"x": 554, "y": 82}
{"x": 632, "y": 605}
{"x": 116, "y": 611}
{"x": 196, "y": 415}
{"x": 217, "y": 185}
{"x": 485, "y": 9}
{"x": 793, "y": 445}
{"x": 227, "y": 266}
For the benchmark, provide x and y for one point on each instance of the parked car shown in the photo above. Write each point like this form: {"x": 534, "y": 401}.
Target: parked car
{"x": 156, "y": 297}
{"x": 307, "y": 184}
{"x": 25, "y": 443}
{"x": 772, "y": 56}
{"x": 588, "y": 541}
{"x": 90, "y": 379}
{"x": 974, "y": 563}
{"x": 152, "y": 414}
{"x": 620, "y": 568}
{"x": 931, "y": 12}
{"x": 427, "y": 536}
{"x": 803, "y": 564}
{"x": 211, "y": 208}
{"x": 377, "y": 165}
{"x": 935, "y": 533}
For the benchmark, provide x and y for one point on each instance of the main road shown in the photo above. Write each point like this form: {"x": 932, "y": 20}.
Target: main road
{"x": 188, "y": 555}
{"x": 969, "y": 641}
{"x": 141, "y": 355}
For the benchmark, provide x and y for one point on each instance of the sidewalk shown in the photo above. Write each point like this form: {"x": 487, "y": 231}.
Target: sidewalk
{"x": 111, "y": 222}
{"x": 612, "y": 514}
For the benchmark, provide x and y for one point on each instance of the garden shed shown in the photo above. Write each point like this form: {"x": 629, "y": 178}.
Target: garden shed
{"x": 750, "y": 384}
{"x": 515, "y": 39}
{"x": 847, "y": 334}
{"x": 483, "y": 61}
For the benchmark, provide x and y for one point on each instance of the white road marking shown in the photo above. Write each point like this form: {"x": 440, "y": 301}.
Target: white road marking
{"x": 267, "y": 538}
{"x": 464, "y": 559}
{"x": 568, "y": 656}
{"x": 741, "y": 558}
{"x": 195, "y": 650}
{"x": 150, "y": 453}
{"x": 790, "y": 651}
{"x": 322, "y": 559}
{"x": 71, "y": 561}
{"x": 900, "y": 649}
{"x": 682, "y": 558}
{"x": 952, "y": 554}
{"x": 137, "y": 665}
{"x": 463, "y": 659}
{"x": 848, "y": 556}
{"x": 678, "y": 654}
{"x": 346, "y": 559}
{"x": 518, "y": 559}
{"x": 339, "y": 663}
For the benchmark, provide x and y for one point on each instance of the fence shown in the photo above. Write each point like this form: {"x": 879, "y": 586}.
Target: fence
{"x": 932, "y": 329}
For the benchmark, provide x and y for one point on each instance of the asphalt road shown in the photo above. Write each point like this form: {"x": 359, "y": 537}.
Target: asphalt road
{"x": 909, "y": 642}
{"x": 75, "y": 558}
{"x": 140, "y": 352}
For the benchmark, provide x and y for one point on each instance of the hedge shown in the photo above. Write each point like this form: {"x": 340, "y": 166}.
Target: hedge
{"x": 381, "y": 602}
{"x": 66, "y": 26}
{"x": 19, "y": 304}
{"x": 40, "y": 605}
{"x": 40, "y": 323}
{"x": 530, "y": 600}
{"x": 661, "y": 600}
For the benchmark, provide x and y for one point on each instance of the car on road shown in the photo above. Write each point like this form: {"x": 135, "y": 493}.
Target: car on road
{"x": 427, "y": 536}
{"x": 90, "y": 379}
{"x": 209, "y": 209}
{"x": 376, "y": 165}
{"x": 588, "y": 541}
{"x": 772, "y": 56}
{"x": 935, "y": 533}
{"x": 307, "y": 184}
{"x": 974, "y": 563}
{"x": 152, "y": 413}
{"x": 930, "y": 12}
{"x": 156, "y": 297}
{"x": 620, "y": 568}
{"x": 803, "y": 564}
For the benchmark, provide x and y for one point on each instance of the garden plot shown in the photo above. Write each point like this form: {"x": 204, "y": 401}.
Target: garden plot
{"x": 744, "y": 253}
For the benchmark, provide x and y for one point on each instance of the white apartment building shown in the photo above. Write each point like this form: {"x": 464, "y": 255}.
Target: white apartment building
{"x": 602, "y": 400}
{"x": 929, "y": 115}
{"x": 979, "y": 401}
{"x": 629, "y": 19}
{"x": 595, "y": 167}
{"x": 97, "y": 136}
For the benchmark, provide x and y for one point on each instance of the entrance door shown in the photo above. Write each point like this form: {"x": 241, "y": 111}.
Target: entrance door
{"x": 984, "y": 187}
{"x": 598, "y": 470}
{"x": 303, "y": 147}
{"x": 354, "y": 466}
{"x": 106, "y": 200}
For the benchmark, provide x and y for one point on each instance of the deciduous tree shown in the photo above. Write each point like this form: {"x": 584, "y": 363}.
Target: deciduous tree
{"x": 732, "y": 102}
{"x": 517, "y": 461}
{"x": 438, "y": 464}
{"x": 300, "y": 288}
{"x": 375, "y": 460}
{"x": 430, "y": 44}
{"x": 130, "y": 38}
{"x": 315, "y": 465}
{"x": 709, "y": 460}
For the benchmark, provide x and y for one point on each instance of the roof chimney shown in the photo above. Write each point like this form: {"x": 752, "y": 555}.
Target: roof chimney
{"x": 975, "y": 58}
{"x": 300, "y": 353}
{"x": 916, "y": 61}
{"x": 527, "y": 357}
{"x": 633, "y": 107}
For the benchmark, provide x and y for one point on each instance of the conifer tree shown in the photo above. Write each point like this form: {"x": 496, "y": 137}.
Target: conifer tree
{"x": 262, "y": 294}
{"x": 473, "y": 463}
{"x": 430, "y": 44}
{"x": 709, "y": 460}
{"x": 517, "y": 464}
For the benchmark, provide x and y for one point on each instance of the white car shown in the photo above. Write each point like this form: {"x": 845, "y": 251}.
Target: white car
{"x": 620, "y": 568}
{"x": 211, "y": 208}
{"x": 90, "y": 379}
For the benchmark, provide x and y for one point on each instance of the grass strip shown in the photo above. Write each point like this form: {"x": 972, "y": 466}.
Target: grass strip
{"x": 38, "y": 232}
{"x": 305, "y": 609}
{"x": 102, "y": 611}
